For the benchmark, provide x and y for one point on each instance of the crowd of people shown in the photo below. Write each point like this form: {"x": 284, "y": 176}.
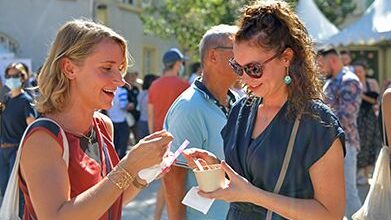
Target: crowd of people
{"x": 257, "y": 86}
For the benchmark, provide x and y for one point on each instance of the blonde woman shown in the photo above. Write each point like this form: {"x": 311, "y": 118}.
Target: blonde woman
{"x": 84, "y": 67}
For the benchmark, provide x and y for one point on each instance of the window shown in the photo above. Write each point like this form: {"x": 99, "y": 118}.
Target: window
{"x": 130, "y": 2}
{"x": 149, "y": 56}
{"x": 8, "y": 43}
{"x": 371, "y": 57}
{"x": 147, "y": 3}
{"x": 130, "y": 5}
{"x": 101, "y": 13}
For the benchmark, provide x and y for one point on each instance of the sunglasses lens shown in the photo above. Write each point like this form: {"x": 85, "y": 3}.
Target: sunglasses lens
{"x": 238, "y": 71}
{"x": 236, "y": 68}
{"x": 254, "y": 71}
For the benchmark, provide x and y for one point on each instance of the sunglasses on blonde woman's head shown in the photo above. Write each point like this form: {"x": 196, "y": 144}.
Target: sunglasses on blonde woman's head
{"x": 254, "y": 70}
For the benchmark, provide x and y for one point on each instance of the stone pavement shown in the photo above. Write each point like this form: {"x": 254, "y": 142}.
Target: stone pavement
{"x": 143, "y": 207}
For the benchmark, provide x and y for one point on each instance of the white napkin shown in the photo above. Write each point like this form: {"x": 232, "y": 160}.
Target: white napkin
{"x": 197, "y": 202}
{"x": 150, "y": 174}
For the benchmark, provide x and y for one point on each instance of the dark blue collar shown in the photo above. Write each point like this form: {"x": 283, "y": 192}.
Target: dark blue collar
{"x": 230, "y": 96}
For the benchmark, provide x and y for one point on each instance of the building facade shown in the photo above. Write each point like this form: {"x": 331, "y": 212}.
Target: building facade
{"x": 27, "y": 28}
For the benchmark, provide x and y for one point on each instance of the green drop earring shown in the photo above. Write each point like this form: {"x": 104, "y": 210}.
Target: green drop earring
{"x": 287, "y": 78}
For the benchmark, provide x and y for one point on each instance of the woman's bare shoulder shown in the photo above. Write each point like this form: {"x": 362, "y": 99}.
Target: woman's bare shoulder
{"x": 387, "y": 94}
{"x": 41, "y": 152}
{"x": 40, "y": 144}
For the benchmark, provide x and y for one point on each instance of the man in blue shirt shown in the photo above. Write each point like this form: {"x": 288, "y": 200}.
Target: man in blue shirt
{"x": 198, "y": 115}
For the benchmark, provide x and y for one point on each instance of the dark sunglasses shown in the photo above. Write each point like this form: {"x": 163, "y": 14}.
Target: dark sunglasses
{"x": 254, "y": 70}
{"x": 13, "y": 76}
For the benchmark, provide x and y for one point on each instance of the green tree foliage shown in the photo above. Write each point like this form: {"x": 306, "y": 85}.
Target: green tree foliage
{"x": 336, "y": 10}
{"x": 187, "y": 20}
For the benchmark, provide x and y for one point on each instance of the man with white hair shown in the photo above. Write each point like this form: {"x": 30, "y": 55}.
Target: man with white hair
{"x": 198, "y": 115}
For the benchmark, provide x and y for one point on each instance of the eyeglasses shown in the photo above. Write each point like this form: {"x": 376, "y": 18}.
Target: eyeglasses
{"x": 18, "y": 75}
{"x": 254, "y": 70}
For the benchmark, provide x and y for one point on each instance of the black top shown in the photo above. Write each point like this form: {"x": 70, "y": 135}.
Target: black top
{"x": 260, "y": 160}
{"x": 370, "y": 93}
{"x": 13, "y": 120}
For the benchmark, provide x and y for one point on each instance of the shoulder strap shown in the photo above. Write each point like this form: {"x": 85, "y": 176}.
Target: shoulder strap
{"x": 287, "y": 159}
{"x": 107, "y": 158}
{"x": 104, "y": 146}
{"x": 385, "y": 141}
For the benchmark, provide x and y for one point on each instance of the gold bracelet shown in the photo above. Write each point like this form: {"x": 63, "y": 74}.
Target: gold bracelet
{"x": 120, "y": 177}
{"x": 134, "y": 180}
{"x": 139, "y": 185}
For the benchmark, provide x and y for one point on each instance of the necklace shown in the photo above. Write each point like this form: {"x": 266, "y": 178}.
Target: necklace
{"x": 89, "y": 136}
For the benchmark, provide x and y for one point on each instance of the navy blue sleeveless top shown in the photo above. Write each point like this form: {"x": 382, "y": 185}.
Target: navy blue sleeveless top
{"x": 259, "y": 160}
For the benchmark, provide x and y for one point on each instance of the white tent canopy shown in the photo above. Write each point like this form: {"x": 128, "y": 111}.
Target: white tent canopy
{"x": 374, "y": 26}
{"x": 316, "y": 23}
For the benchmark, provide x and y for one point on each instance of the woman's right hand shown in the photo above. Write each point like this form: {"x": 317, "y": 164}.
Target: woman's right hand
{"x": 149, "y": 151}
{"x": 192, "y": 154}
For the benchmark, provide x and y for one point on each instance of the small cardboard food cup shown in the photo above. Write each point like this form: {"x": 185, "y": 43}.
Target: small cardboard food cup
{"x": 211, "y": 178}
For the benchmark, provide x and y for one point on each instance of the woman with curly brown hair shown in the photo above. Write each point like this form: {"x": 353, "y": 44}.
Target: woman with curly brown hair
{"x": 274, "y": 56}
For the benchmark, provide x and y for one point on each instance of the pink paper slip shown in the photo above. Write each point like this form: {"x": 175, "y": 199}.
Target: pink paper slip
{"x": 171, "y": 157}
{"x": 149, "y": 174}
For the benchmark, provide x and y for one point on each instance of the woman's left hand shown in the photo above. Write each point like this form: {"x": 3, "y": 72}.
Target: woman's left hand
{"x": 237, "y": 189}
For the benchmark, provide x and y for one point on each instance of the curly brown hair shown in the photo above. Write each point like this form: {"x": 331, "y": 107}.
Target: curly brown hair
{"x": 272, "y": 25}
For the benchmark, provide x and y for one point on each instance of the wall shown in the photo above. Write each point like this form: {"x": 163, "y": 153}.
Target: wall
{"x": 34, "y": 23}
{"x": 124, "y": 19}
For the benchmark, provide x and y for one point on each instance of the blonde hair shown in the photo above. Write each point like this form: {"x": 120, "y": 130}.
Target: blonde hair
{"x": 75, "y": 40}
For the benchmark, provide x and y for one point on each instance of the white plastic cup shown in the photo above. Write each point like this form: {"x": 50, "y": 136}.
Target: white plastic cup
{"x": 211, "y": 178}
